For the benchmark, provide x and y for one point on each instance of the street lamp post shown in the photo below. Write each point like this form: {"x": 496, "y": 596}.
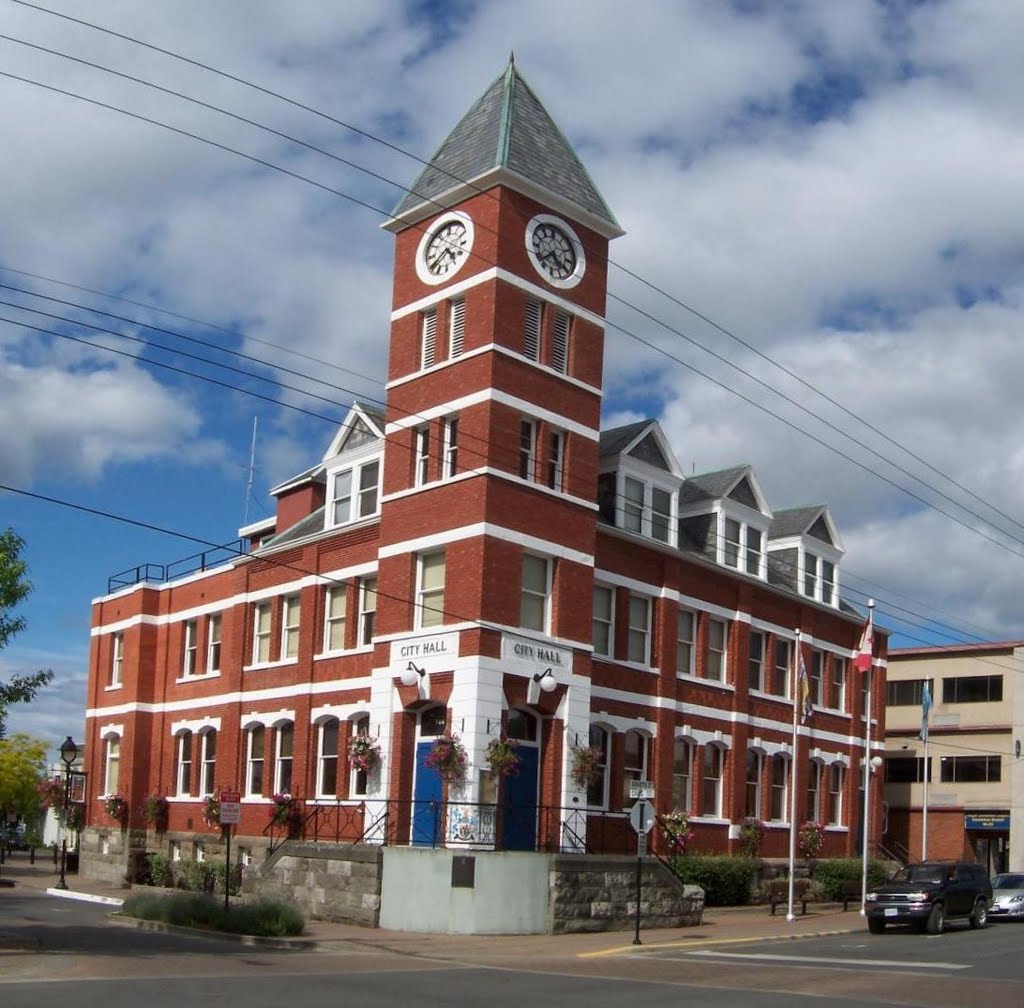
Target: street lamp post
{"x": 68, "y": 755}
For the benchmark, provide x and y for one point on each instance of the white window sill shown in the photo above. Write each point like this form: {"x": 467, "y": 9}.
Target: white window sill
{"x": 359, "y": 649}
{"x": 112, "y": 686}
{"x": 711, "y": 820}
{"x": 637, "y": 666}
{"x": 835, "y": 828}
{"x": 762, "y": 695}
{"x": 700, "y": 680}
{"x": 197, "y": 677}
{"x": 182, "y": 799}
{"x": 777, "y": 824}
{"x": 255, "y": 800}
{"x": 262, "y": 666}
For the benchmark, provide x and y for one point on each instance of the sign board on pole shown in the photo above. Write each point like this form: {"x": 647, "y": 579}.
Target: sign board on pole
{"x": 230, "y": 808}
{"x": 641, "y": 817}
{"x": 641, "y": 789}
{"x": 77, "y": 787}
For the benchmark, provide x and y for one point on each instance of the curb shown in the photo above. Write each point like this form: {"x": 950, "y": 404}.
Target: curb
{"x": 84, "y": 897}
{"x": 281, "y": 944}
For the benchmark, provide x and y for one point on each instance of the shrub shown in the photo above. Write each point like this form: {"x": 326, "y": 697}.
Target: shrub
{"x": 158, "y": 870}
{"x": 751, "y": 835}
{"x": 726, "y": 881}
{"x": 264, "y": 918}
{"x": 832, "y": 873}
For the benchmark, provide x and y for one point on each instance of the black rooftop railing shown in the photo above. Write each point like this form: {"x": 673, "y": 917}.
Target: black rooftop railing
{"x": 160, "y": 573}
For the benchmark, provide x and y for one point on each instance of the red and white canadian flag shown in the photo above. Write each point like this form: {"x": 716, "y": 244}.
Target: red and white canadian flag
{"x": 862, "y": 659}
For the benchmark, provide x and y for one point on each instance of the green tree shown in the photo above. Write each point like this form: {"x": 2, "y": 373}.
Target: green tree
{"x": 22, "y": 766}
{"x": 14, "y": 587}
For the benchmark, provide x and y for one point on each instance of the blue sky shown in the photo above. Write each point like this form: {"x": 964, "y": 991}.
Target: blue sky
{"x": 838, "y": 185}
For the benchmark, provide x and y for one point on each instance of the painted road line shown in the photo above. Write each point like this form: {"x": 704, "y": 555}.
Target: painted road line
{"x": 685, "y": 943}
{"x": 84, "y": 897}
{"x": 893, "y": 963}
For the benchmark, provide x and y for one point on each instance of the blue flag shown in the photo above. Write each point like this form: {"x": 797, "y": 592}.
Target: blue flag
{"x": 926, "y": 706}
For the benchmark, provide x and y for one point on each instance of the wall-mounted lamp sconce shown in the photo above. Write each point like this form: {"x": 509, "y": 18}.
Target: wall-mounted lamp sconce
{"x": 546, "y": 680}
{"x": 412, "y": 674}
{"x": 876, "y": 763}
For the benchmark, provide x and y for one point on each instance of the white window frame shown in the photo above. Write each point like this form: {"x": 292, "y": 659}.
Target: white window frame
{"x": 661, "y": 517}
{"x": 183, "y": 760}
{"x": 530, "y": 594}
{"x": 324, "y": 759}
{"x": 284, "y": 763}
{"x": 732, "y": 548}
{"x": 779, "y": 792}
{"x": 261, "y": 632}
{"x": 190, "y": 655}
{"x": 723, "y": 652}
{"x": 291, "y": 625}
{"x": 333, "y": 620}
{"x": 367, "y": 615}
{"x": 636, "y": 772}
{"x": 716, "y": 811}
{"x": 815, "y": 780}
{"x": 838, "y": 662}
{"x": 597, "y": 793}
{"x": 633, "y": 508}
{"x": 214, "y": 642}
{"x": 810, "y": 585}
{"x": 117, "y": 659}
{"x": 358, "y": 783}
{"x": 639, "y": 631}
{"x": 758, "y": 783}
{"x": 252, "y": 760}
{"x": 355, "y": 509}
{"x": 528, "y": 450}
{"x": 450, "y": 428}
{"x": 207, "y": 761}
{"x": 421, "y": 475}
{"x": 607, "y": 622}
{"x": 751, "y": 553}
{"x": 111, "y": 764}
{"x": 429, "y": 597}
{"x": 759, "y": 663}
{"x": 556, "y": 460}
{"x": 837, "y": 776}
{"x": 686, "y": 643}
{"x": 683, "y": 802}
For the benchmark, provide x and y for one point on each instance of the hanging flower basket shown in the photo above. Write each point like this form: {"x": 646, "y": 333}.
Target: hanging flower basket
{"x": 676, "y": 828}
{"x": 586, "y": 765}
{"x": 285, "y": 811}
{"x": 810, "y": 839}
{"x": 448, "y": 757}
{"x": 751, "y": 834}
{"x": 502, "y": 757}
{"x": 155, "y": 811}
{"x": 116, "y": 806}
{"x": 363, "y": 752}
{"x": 51, "y": 793}
{"x": 211, "y": 811}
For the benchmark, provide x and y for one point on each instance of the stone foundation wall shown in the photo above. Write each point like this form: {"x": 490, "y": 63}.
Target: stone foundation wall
{"x": 599, "y": 894}
{"x": 324, "y": 881}
{"x": 105, "y": 852}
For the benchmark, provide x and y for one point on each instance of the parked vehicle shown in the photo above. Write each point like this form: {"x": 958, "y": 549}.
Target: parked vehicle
{"x": 930, "y": 893}
{"x": 1007, "y": 896}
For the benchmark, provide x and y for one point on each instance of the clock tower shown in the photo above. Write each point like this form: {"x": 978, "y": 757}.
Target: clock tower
{"x": 488, "y": 514}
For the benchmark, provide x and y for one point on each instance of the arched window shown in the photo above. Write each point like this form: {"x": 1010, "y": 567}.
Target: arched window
{"x": 814, "y": 781}
{"x": 752, "y": 789}
{"x": 711, "y": 781}
{"x": 835, "y": 794}
{"x": 777, "y": 805}
{"x": 254, "y": 755}
{"x": 682, "y": 775}
{"x": 597, "y": 790}
{"x": 111, "y": 763}
{"x": 358, "y": 780}
{"x": 634, "y": 762}
{"x": 208, "y": 764}
{"x": 283, "y": 758}
{"x": 183, "y": 773}
{"x": 327, "y": 758}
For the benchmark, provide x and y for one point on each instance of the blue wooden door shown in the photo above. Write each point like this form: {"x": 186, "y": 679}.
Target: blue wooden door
{"x": 519, "y": 806}
{"x": 427, "y": 824}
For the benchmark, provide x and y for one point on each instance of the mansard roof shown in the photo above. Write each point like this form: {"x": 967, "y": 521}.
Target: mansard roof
{"x": 507, "y": 137}
{"x": 814, "y": 521}
{"x": 643, "y": 441}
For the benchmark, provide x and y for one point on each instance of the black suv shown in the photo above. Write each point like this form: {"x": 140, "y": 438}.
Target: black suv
{"x": 930, "y": 893}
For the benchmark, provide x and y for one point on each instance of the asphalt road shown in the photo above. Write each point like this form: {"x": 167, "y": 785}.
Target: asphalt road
{"x": 112, "y": 966}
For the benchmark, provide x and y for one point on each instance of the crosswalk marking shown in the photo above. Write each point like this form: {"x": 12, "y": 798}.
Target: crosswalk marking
{"x": 895, "y": 963}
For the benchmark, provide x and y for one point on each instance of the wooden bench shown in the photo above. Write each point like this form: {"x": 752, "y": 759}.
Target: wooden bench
{"x": 778, "y": 893}
{"x": 850, "y": 890}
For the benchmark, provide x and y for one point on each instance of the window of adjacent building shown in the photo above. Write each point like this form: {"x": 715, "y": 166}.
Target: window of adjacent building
{"x": 430, "y": 590}
{"x": 835, "y": 794}
{"x": 175, "y": 850}
{"x": 661, "y": 515}
{"x": 972, "y": 689}
{"x": 358, "y": 783}
{"x": 208, "y": 761}
{"x": 777, "y": 805}
{"x": 711, "y": 781}
{"x": 604, "y": 611}
{"x": 682, "y": 774}
{"x": 597, "y": 789}
{"x": 191, "y": 663}
{"x": 367, "y": 609}
{"x": 731, "y": 546}
{"x": 780, "y": 670}
{"x": 755, "y": 662}
{"x": 199, "y": 852}
{"x": 638, "y": 645}
{"x": 456, "y": 326}
{"x": 906, "y": 770}
{"x": 261, "y": 633}
{"x": 533, "y": 604}
{"x": 906, "y": 692}
{"x": 117, "y": 660}
{"x": 752, "y": 785}
{"x": 718, "y": 636}
{"x": 527, "y": 449}
{"x": 283, "y": 758}
{"x": 183, "y": 777}
{"x": 111, "y": 764}
{"x": 214, "y": 631}
{"x": 755, "y": 552}
{"x": 291, "y": 619}
{"x": 814, "y": 780}
{"x": 450, "y": 428}
{"x": 428, "y": 338}
{"x": 560, "y": 342}
{"x": 632, "y": 505}
{"x": 335, "y": 612}
{"x": 327, "y": 758}
{"x": 970, "y": 769}
{"x": 815, "y": 675}
{"x": 422, "y": 455}
{"x": 354, "y": 492}
{"x": 556, "y": 460}
{"x": 686, "y": 631}
{"x": 837, "y": 683}
{"x": 254, "y": 753}
{"x": 634, "y": 762}
{"x": 531, "y": 329}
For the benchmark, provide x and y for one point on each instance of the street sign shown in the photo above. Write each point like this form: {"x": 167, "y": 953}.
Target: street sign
{"x": 641, "y": 789}
{"x": 641, "y": 817}
{"x": 230, "y": 808}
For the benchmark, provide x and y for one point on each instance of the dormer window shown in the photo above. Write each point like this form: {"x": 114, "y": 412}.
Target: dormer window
{"x": 819, "y": 579}
{"x": 647, "y": 510}
{"x": 355, "y": 492}
{"x": 741, "y": 547}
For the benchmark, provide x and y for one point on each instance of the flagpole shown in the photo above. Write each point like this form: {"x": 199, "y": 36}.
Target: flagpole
{"x": 790, "y": 916}
{"x": 867, "y": 777}
{"x": 924, "y": 813}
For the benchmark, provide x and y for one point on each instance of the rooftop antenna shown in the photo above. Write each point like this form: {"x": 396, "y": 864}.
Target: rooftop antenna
{"x": 252, "y": 470}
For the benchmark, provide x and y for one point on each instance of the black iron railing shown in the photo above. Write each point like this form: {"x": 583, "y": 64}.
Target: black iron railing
{"x": 159, "y": 573}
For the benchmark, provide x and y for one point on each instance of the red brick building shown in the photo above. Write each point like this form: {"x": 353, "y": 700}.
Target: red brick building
{"x": 482, "y": 559}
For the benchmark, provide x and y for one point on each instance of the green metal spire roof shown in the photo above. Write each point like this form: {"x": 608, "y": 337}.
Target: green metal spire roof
{"x": 509, "y": 134}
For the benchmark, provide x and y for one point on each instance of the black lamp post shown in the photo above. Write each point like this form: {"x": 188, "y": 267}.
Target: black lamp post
{"x": 68, "y": 755}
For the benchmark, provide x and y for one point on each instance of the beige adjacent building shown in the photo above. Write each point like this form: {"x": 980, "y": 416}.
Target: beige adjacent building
{"x": 963, "y": 796}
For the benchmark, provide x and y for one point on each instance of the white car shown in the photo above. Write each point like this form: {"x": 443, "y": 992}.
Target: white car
{"x": 1007, "y": 897}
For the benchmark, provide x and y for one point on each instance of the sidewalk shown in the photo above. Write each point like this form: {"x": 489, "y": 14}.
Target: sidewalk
{"x": 722, "y": 925}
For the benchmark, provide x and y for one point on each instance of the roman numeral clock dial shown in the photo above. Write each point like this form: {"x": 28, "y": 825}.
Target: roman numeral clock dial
{"x": 555, "y": 251}
{"x": 444, "y": 247}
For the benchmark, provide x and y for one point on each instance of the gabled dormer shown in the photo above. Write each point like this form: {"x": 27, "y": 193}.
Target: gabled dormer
{"x": 638, "y": 482}
{"x": 804, "y": 550}
{"x": 353, "y": 465}
{"x": 725, "y": 516}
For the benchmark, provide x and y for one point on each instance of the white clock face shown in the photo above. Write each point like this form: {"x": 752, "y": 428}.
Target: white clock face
{"x": 555, "y": 251}
{"x": 444, "y": 247}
